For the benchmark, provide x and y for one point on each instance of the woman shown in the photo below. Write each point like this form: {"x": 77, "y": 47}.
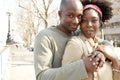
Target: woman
{"x": 95, "y": 13}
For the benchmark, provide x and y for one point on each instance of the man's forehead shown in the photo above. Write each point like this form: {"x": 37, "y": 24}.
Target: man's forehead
{"x": 71, "y": 4}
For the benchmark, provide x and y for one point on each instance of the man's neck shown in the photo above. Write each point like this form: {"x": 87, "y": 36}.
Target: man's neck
{"x": 63, "y": 30}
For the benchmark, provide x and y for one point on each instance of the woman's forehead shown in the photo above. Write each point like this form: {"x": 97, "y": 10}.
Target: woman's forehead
{"x": 90, "y": 13}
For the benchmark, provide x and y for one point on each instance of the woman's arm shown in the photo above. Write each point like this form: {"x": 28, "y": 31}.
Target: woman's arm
{"x": 112, "y": 56}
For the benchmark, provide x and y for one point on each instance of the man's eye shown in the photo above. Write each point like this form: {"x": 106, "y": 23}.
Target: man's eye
{"x": 84, "y": 20}
{"x": 71, "y": 16}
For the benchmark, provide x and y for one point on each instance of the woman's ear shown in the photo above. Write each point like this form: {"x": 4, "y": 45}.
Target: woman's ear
{"x": 101, "y": 24}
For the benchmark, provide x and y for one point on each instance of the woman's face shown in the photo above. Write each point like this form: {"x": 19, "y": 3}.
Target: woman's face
{"x": 90, "y": 23}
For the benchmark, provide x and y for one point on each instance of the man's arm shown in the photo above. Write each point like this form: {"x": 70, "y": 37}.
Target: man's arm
{"x": 76, "y": 50}
{"x": 43, "y": 64}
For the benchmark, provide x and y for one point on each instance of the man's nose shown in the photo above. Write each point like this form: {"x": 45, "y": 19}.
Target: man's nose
{"x": 76, "y": 20}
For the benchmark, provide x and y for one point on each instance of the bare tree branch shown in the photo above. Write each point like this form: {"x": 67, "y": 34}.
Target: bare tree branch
{"x": 37, "y": 9}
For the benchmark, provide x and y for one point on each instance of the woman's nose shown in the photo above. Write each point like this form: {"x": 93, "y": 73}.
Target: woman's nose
{"x": 89, "y": 24}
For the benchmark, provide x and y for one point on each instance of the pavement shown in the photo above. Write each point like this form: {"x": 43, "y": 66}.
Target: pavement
{"x": 20, "y": 65}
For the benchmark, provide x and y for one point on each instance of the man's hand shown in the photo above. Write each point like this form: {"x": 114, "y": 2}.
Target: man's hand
{"x": 94, "y": 61}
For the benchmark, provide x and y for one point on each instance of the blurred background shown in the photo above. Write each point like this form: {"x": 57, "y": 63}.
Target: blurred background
{"x": 20, "y": 22}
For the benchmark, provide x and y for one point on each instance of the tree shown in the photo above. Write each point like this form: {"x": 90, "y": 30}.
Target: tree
{"x": 44, "y": 12}
{"x": 25, "y": 26}
{"x": 33, "y": 14}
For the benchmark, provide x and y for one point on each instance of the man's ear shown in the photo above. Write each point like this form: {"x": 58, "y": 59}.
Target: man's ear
{"x": 59, "y": 13}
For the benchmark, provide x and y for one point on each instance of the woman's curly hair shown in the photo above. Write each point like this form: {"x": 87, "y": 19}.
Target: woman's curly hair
{"x": 104, "y": 5}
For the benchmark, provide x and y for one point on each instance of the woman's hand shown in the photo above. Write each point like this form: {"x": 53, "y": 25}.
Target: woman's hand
{"x": 109, "y": 53}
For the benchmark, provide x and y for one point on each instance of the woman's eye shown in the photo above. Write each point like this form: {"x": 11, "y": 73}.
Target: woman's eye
{"x": 94, "y": 21}
{"x": 79, "y": 17}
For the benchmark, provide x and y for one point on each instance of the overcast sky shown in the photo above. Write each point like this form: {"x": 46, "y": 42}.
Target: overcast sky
{"x": 5, "y": 6}
{"x": 3, "y": 20}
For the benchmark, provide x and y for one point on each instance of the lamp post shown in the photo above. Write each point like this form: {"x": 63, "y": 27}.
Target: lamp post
{"x": 9, "y": 40}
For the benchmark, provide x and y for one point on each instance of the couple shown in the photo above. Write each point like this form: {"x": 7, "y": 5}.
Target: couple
{"x": 59, "y": 56}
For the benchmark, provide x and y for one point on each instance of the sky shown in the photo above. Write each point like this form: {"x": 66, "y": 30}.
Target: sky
{"x": 3, "y": 21}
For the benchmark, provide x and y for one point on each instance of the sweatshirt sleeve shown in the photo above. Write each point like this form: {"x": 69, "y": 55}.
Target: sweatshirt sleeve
{"x": 116, "y": 75}
{"x": 43, "y": 64}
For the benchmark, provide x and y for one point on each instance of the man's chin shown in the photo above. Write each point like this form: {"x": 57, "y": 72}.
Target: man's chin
{"x": 74, "y": 29}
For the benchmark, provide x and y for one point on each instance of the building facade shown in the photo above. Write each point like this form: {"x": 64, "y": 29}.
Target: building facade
{"x": 112, "y": 29}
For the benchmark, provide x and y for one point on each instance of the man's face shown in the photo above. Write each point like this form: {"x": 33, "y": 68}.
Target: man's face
{"x": 90, "y": 23}
{"x": 70, "y": 16}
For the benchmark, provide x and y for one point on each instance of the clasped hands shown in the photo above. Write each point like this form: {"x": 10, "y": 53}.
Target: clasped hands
{"x": 94, "y": 61}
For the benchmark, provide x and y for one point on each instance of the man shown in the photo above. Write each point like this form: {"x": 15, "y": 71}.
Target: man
{"x": 50, "y": 44}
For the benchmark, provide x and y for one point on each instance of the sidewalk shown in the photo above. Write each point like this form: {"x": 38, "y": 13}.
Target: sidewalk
{"x": 20, "y": 65}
